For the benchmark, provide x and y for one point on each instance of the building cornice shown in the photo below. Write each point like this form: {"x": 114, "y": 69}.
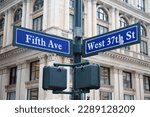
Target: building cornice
{"x": 12, "y": 53}
{"x": 126, "y": 58}
{"x": 129, "y": 9}
{"x": 7, "y": 4}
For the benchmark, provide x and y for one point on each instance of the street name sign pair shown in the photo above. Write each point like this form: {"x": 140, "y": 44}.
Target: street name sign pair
{"x": 49, "y": 43}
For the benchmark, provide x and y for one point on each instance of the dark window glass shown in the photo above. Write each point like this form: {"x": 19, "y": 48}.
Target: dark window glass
{"x": 143, "y": 47}
{"x": 2, "y": 23}
{"x": 101, "y": 29}
{"x": 105, "y": 95}
{"x": 71, "y": 23}
{"x": 72, "y": 3}
{"x": 18, "y": 15}
{"x": 146, "y": 98}
{"x": 34, "y": 70}
{"x": 101, "y": 14}
{"x": 127, "y": 80}
{"x": 123, "y": 22}
{"x": 105, "y": 75}
{"x": 141, "y": 5}
{"x": 143, "y": 31}
{"x": 38, "y": 5}
{"x": 128, "y": 97}
{"x": 11, "y": 95}
{"x": 146, "y": 81}
{"x": 125, "y": 1}
{"x": 32, "y": 94}
{"x": 13, "y": 75}
{"x": 37, "y": 23}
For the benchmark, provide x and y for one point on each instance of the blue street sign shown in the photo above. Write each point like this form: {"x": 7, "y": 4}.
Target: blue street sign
{"x": 40, "y": 41}
{"x": 112, "y": 40}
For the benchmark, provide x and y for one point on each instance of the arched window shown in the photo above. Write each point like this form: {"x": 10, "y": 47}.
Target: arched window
{"x": 18, "y": 15}
{"x": 101, "y": 14}
{"x": 143, "y": 31}
{"x": 38, "y": 5}
{"x": 2, "y": 24}
{"x": 123, "y": 22}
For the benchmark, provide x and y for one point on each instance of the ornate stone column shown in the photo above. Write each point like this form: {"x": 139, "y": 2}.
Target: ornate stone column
{"x": 94, "y": 18}
{"x": 5, "y": 82}
{"x": 24, "y": 3}
{"x": 121, "y": 89}
{"x": 116, "y": 81}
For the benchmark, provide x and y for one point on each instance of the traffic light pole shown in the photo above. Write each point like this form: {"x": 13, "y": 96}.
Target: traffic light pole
{"x": 77, "y": 50}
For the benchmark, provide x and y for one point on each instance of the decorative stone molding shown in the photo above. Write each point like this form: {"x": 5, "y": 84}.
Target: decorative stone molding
{"x": 126, "y": 58}
{"x": 13, "y": 52}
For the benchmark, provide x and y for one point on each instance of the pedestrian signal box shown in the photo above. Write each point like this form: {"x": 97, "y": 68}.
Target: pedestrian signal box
{"x": 87, "y": 77}
{"x": 54, "y": 78}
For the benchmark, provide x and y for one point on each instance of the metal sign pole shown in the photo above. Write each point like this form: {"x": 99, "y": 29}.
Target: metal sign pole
{"x": 77, "y": 51}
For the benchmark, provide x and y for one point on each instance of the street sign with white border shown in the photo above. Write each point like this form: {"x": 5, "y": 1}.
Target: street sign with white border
{"x": 41, "y": 41}
{"x": 115, "y": 39}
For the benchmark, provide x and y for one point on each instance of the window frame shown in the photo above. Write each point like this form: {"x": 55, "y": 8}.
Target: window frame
{"x": 127, "y": 80}
{"x": 141, "y": 5}
{"x": 72, "y": 4}
{"x": 34, "y": 71}
{"x": 18, "y": 15}
{"x": 13, "y": 79}
{"x": 29, "y": 96}
{"x": 9, "y": 95}
{"x": 123, "y": 22}
{"x": 144, "y": 47}
{"x": 2, "y": 23}
{"x": 102, "y": 14}
{"x": 146, "y": 83}
{"x": 131, "y": 97}
{"x": 106, "y": 81}
{"x": 39, "y": 3}
{"x": 36, "y": 23}
{"x": 100, "y": 28}
{"x": 107, "y": 94}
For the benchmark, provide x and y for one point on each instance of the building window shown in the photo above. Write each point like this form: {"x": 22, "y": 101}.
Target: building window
{"x": 13, "y": 75}
{"x": 101, "y": 14}
{"x": 143, "y": 47}
{"x": 2, "y": 23}
{"x": 127, "y": 80}
{"x": 38, "y": 5}
{"x": 146, "y": 98}
{"x": 105, "y": 75}
{"x": 1, "y": 1}
{"x": 32, "y": 94}
{"x": 128, "y": 97}
{"x": 1, "y": 41}
{"x": 101, "y": 29}
{"x": 125, "y": 1}
{"x": 105, "y": 95}
{"x": 141, "y": 5}
{"x": 11, "y": 95}
{"x": 72, "y": 3}
{"x": 143, "y": 31}
{"x": 34, "y": 70}
{"x": 123, "y": 22}
{"x": 37, "y": 23}
{"x": 71, "y": 23}
{"x": 146, "y": 81}
{"x": 18, "y": 15}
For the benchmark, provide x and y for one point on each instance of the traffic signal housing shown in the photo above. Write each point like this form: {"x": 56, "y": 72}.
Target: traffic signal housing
{"x": 54, "y": 78}
{"x": 87, "y": 77}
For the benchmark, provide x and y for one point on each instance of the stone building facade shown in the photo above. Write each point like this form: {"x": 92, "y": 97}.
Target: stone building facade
{"x": 125, "y": 72}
